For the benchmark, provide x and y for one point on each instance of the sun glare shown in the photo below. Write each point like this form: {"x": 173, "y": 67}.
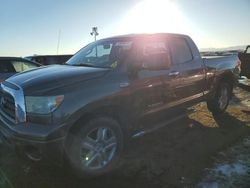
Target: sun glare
{"x": 152, "y": 16}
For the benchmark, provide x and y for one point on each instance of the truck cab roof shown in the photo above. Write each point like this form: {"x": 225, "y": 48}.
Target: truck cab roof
{"x": 134, "y": 36}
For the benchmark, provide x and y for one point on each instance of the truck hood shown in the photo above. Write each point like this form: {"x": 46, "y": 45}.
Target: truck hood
{"x": 48, "y": 78}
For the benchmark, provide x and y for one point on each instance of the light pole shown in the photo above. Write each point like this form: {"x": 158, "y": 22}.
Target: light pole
{"x": 94, "y": 32}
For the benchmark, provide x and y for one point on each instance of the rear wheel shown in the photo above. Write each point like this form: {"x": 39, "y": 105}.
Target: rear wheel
{"x": 219, "y": 103}
{"x": 96, "y": 147}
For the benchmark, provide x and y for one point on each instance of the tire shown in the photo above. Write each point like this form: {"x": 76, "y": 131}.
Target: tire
{"x": 219, "y": 103}
{"x": 95, "y": 148}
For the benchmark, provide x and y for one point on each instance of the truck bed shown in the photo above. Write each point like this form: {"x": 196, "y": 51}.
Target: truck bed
{"x": 220, "y": 63}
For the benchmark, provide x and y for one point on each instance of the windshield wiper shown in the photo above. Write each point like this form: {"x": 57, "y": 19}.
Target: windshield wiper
{"x": 84, "y": 65}
{"x": 87, "y": 65}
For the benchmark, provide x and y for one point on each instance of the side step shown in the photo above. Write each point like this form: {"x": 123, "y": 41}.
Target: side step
{"x": 164, "y": 123}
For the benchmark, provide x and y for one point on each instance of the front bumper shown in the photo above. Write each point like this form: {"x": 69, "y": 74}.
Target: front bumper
{"x": 43, "y": 142}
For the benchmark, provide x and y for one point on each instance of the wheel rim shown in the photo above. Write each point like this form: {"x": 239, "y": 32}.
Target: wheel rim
{"x": 223, "y": 99}
{"x": 98, "y": 148}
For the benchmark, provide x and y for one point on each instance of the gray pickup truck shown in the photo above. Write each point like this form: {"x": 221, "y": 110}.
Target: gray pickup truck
{"x": 112, "y": 90}
{"x": 245, "y": 62}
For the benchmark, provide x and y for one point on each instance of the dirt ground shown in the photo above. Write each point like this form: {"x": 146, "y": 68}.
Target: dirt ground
{"x": 174, "y": 156}
{"x": 231, "y": 168}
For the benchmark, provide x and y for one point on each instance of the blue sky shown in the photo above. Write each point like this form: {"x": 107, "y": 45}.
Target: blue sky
{"x": 31, "y": 26}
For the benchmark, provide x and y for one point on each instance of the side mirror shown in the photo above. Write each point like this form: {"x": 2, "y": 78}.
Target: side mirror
{"x": 156, "y": 61}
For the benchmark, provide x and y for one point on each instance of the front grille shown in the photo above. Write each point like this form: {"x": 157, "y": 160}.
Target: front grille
{"x": 7, "y": 104}
{"x": 12, "y": 102}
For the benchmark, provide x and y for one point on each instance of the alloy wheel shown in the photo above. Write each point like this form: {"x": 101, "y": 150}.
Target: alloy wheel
{"x": 98, "y": 148}
{"x": 223, "y": 98}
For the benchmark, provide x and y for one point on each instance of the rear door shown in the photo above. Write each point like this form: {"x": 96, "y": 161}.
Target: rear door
{"x": 185, "y": 80}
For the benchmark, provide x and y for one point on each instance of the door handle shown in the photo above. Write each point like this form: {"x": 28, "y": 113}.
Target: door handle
{"x": 175, "y": 73}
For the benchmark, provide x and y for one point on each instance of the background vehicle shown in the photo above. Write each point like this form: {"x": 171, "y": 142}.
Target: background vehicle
{"x": 49, "y": 59}
{"x": 245, "y": 62}
{"x": 110, "y": 91}
{"x": 12, "y": 65}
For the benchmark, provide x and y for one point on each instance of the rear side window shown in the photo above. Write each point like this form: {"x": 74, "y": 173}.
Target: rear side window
{"x": 180, "y": 51}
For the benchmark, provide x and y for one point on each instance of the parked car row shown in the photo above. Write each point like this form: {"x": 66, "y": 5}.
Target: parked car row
{"x": 12, "y": 65}
{"x": 49, "y": 59}
{"x": 85, "y": 112}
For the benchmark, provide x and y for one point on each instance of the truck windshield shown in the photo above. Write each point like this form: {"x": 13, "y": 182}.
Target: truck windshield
{"x": 105, "y": 53}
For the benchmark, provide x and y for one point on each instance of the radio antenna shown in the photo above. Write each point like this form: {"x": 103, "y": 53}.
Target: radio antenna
{"x": 58, "y": 41}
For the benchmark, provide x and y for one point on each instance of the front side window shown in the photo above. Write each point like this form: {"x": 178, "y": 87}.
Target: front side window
{"x": 22, "y": 66}
{"x": 154, "y": 47}
{"x": 107, "y": 54}
{"x": 180, "y": 51}
{"x": 155, "y": 53}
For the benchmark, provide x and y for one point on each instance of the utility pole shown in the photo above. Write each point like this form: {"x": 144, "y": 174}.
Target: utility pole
{"x": 94, "y": 32}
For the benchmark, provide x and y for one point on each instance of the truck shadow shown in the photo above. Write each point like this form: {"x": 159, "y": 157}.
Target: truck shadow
{"x": 245, "y": 87}
{"x": 173, "y": 156}
{"x": 227, "y": 121}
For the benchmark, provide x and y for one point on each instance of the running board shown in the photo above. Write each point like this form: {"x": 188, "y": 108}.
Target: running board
{"x": 163, "y": 124}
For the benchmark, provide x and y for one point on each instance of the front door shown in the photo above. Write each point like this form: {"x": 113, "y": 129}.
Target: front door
{"x": 146, "y": 84}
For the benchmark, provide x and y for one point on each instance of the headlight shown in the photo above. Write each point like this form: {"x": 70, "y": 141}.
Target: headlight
{"x": 42, "y": 105}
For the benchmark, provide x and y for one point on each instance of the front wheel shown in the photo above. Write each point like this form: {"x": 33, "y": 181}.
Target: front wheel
{"x": 96, "y": 147}
{"x": 219, "y": 103}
